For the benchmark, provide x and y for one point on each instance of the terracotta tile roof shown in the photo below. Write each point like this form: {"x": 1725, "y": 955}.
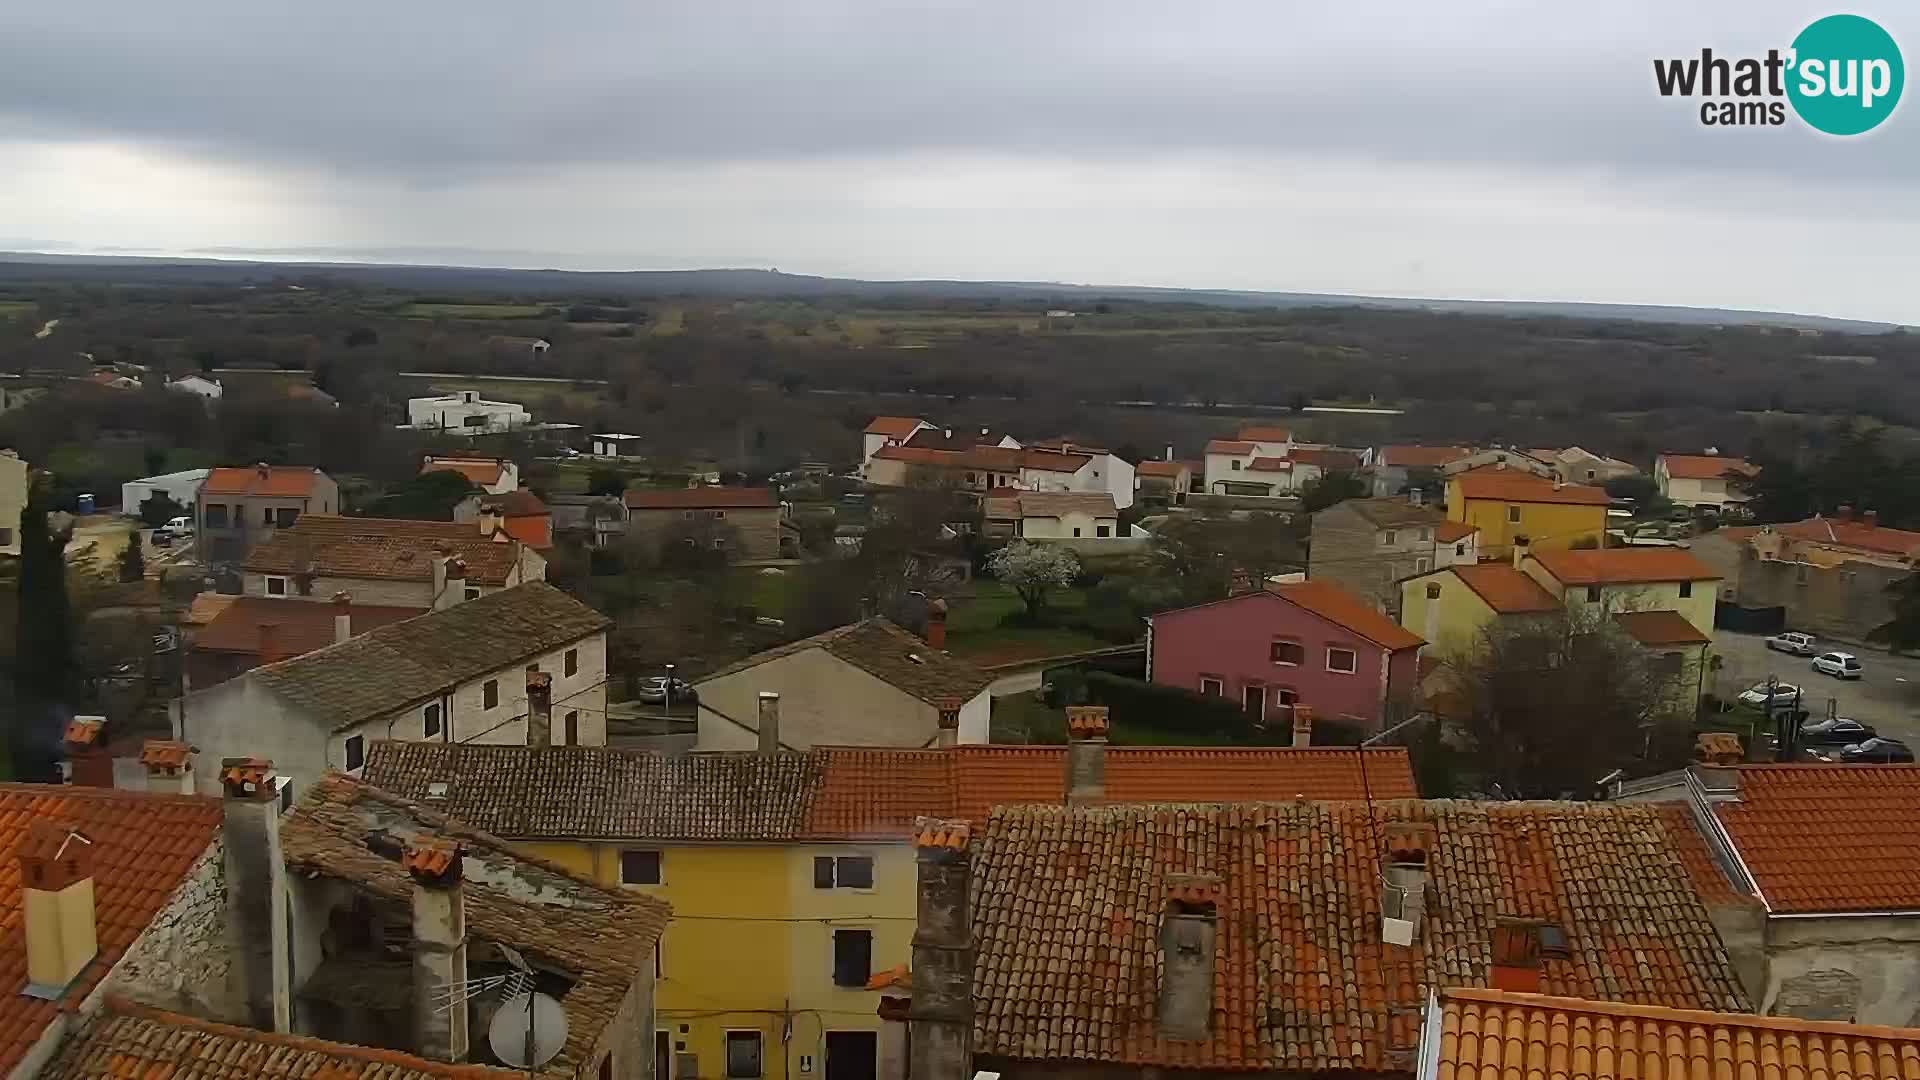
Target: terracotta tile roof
{"x": 1168, "y": 469}
{"x": 1325, "y": 459}
{"x": 833, "y": 792}
{"x": 1391, "y": 512}
{"x": 1828, "y": 837}
{"x": 1704, "y": 466}
{"x": 1342, "y": 608}
{"x": 1097, "y": 504}
{"x": 702, "y": 498}
{"x": 1709, "y": 881}
{"x": 277, "y": 481}
{"x": 961, "y": 439}
{"x": 206, "y": 607}
{"x": 1258, "y": 433}
{"x": 888, "y": 653}
{"x": 302, "y": 625}
{"x": 143, "y": 847}
{"x": 1840, "y": 532}
{"x": 1518, "y": 485}
{"x": 1450, "y": 532}
{"x": 601, "y": 936}
{"x": 408, "y": 661}
{"x": 329, "y": 545}
{"x": 535, "y": 531}
{"x": 1271, "y": 464}
{"x": 1655, "y": 628}
{"x": 519, "y": 503}
{"x": 1497, "y": 1035}
{"x": 1228, "y": 446}
{"x": 1624, "y": 566}
{"x": 1068, "y": 904}
{"x": 1505, "y": 590}
{"x": 919, "y": 455}
{"x": 1422, "y": 457}
{"x": 898, "y": 427}
{"x": 127, "y": 1041}
{"x": 1008, "y": 459}
{"x": 482, "y": 472}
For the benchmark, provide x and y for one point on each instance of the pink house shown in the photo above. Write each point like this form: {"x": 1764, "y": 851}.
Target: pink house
{"x": 1309, "y": 642}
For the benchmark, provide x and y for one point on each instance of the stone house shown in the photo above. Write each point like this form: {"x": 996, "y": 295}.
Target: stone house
{"x": 1578, "y": 465}
{"x": 1397, "y": 468}
{"x": 743, "y": 522}
{"x": 869, "y": 683}
{"x": 1368, "y": 546}
{"x": 389, "y": 561}
{"x": 526, "y": 663}
{"x": 241, "y": 507}
{"x": 1830, "y": 574}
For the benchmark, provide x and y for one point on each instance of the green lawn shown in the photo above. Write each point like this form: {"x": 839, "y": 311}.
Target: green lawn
{"x": 471, "y": 311}
{"x": 12, "y": 308}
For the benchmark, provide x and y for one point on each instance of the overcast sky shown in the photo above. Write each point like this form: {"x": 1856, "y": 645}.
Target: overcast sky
{"x": 1485, "y": 150}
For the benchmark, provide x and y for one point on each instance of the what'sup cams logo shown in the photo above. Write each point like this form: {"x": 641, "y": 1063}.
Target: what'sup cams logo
{"x": 1842, "y": 75}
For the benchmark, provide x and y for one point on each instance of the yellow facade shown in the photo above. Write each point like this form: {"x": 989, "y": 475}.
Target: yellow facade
{"x": 1696, "y": 607}
{"x": 751, "y": 945}
{"x": 1547, "y": 526}
{"x": 1450, "y": 622}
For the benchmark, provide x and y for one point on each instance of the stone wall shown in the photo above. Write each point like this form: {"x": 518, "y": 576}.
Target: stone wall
{"x": 180, "y": 963}
{"x": 1864, "y": 969}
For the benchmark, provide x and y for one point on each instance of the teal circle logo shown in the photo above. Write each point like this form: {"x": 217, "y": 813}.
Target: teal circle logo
{"x": 1845, "y": 75}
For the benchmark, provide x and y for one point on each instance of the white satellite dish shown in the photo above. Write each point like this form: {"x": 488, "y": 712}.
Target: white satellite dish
{"x": 528, "y": 1030}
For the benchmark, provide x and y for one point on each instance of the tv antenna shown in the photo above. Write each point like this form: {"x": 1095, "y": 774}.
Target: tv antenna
{"x": 530, "y": 1027}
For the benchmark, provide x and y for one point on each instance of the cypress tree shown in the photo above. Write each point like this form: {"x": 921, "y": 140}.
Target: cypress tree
{"x": 43, "y": 661}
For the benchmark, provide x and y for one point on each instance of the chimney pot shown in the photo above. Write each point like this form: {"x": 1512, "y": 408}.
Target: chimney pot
{"x": 1844, "y": 512}
{"x": 270, "y": 652}
{"x": 1521, "y": 545}
{"x": 169, "y": 765}
{"x": 1086, "y": 754}
{"x": 342, "y": 617}
{"x": 247, "y": 778}
{"x": 539, "y": 708}
{"x": 439, "y": 946}
{"x": 1871, "y": 518}
{"x": 57, "y": 906}
{"x": 256, "y": 893}
{"x": 937, "y": 623}
{"x": 769, "y": 722}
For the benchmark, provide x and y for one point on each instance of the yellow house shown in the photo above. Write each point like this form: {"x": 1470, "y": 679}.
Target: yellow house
{"x": 1510, "y": 504}
{"x": 1449, "y": 606}
{"x": 792, "y": 875}
{"x": 1630, "y": 579}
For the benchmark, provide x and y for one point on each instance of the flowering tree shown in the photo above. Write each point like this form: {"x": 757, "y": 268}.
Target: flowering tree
{"x": 1032, "y": 570}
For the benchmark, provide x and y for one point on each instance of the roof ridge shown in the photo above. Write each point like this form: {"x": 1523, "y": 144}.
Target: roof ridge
{"x": 120, "y": 1005}
{"x": 1701, "y": 1016}
{"x": 104, "y": 794}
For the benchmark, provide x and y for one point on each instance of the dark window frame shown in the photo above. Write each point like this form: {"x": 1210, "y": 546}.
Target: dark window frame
{"x": 852, "y": 957}
{"x": 645, "y": 862}
{"x": 490, "y": 694}
{"x": 356, "y": 748}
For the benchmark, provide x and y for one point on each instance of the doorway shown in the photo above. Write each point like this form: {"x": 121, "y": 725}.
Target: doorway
{"x": 852, "y": 1055}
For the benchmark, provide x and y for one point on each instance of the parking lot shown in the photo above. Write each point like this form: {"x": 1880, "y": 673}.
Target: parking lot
{"x": 1887, "y": 694}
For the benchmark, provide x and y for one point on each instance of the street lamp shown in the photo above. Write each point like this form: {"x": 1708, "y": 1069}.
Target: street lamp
{"x": 667, "y": 692}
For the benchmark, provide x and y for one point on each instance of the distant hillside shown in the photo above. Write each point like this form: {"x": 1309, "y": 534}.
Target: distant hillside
{"x": 770, "y": 284}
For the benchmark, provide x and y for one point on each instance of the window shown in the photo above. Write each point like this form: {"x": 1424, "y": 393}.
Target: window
{"x": 276, "y": 586}
{"x": 1669, "y": 663}
{"x": 430, "y": 721}
{"x": 1291, "y": 653}
{"x": 720, "y": 514}
{"x": 6, "y": 537}
{"x": 473, "y": 592}
{"x": 1460, "y": 550}
{"x": 1236, "y": 466}
{"x": 639, "y": 868}
{"x": 1076, "y": 530}
{"x": 1389, "y": 537}
{"x": 1421, "y": 566}
{"x": 266, "y": 515}
{"x": 216, "y": 515}
{"x": 1433, "y": 590}
{"x": 571, "y": 663}
{"x": 743, "y": 1055}
{"x": 570, "y": 734}
{"x": 1212, "y": 687}
{"x": 490, "y": 694}
{"x": 1593, "y": 594}
{"x": 1103, "y": 530}
{"x": 356, "y": 751}
{"x": 1253, "y": 701}
{"x": 1513, "y": 514}
{"x": 1424, "y": 535}
{"x": 1285, "y": 696}
{"x": 1342, "y": 660}
{"x": 1686, "y": 589}
{"x": 285, "y": 516}
{"x": 852, "y": 957}
{"x": 719, "y": 544}
{"x": 843, "y": 872}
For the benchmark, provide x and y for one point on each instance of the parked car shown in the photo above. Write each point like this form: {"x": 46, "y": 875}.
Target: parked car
{"x": 1839, "y": 731}
{"x": 180, "y": 526}
{"x": 1791, "y": 642}
{"x": 162, "y": 537}
{"x": 1837, "y": 664}
{"x": 654, "y": 691}
{"x": 1875, "y": 751}
{"x": 1757, "y": 693}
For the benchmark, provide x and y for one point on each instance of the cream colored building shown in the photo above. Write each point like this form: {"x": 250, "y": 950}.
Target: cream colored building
{"x": 1053, "y": 515}
{"x": 1700, "y": 480}
{"x": 15, "y": 483}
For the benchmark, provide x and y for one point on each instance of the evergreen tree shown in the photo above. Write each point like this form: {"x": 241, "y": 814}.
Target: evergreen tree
{"x": 43, "y": 660}
{"x": 1902, "y": 632}
{"x": 133, "y": 563}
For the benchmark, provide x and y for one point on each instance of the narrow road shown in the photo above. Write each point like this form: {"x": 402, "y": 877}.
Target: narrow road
{"x": 1887, "y": 694}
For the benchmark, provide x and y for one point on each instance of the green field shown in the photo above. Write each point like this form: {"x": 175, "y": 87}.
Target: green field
{"x": 13, "y": 308}
{"x": 472, "y": 311}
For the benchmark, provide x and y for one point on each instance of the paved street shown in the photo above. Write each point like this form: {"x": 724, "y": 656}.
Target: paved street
{"x": 1887, "y": 695}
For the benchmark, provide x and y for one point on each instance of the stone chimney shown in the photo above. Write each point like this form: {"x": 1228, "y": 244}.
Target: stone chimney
{"x": 937, "y": 623}
{"x": 88, "y": 764}
{"x": 1521, "y": 546}
{"x": 1514, "y": 963}
{"x": 539, "y": 709}
{"x": 169, "y": 765}
{"x": 769, "y": 722}
{"x": 1187, "y": 932}
{"x": 449, "y": 581}
{"x": 342, "y": 617}
{"x": 56, "y": 907}
{"x": 256, "y": 894}
{"x": 1870, "y": 518}
{"x": 1844, "y": 512}
{"x": 439, "y": 947}
{"x": 1086, "y": 755}
{"x": 271, "y": 651}
{"x": 1302, "y": 726}
{"x": 940, "y": 1019}
{"x": 1403, "y": 901}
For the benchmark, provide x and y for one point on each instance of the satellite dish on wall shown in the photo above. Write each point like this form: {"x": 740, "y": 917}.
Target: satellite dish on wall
{"x": 528, "y": 1030}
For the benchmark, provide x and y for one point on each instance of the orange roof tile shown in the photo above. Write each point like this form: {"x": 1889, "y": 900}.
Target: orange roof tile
{"x": 1853, "y": 533}
{"x": 143, "y": 846}
{"x": 482, "y": 472}
{"x": 1325, "y": 459}
{"x": 1624, "y": 566}
{"x": 1449, "y": 532}
{"x": 1654, "y": 628}
{"x": 533, "y": 530}
{"x": 1422, "y": 457}
{"x": 1506, "y": 590}
{"x": 1068, "y": 903}
{"x": 1342, "y": 608}
{"x": 1518, "y": 485}
{"x": 1709, "y": 881}
{"x": 1704, "y": 466}
{"x": 1265, "y": 434}
{"x": 205, "y": 607}
{"x": 277, "y": 481}
{"x": 519, "y": 503}
{"x": 702, "y": 498}
{"x": 1828, "y": 837}
{"x": 389, "y": 548}
{"x": 303, "y": 625}
{"x": 1228, "y": 446}
{"x": 1271, "y": 464}
{"x": 1498, "y": 1035}
{"x": 1161, "y": 468}
{"x": 898, "y": 427}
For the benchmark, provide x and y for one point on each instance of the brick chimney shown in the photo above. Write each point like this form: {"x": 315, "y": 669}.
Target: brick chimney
{"x": 342, "y": 617}
{"x": 1086, "y": 755}
{"x": 1515, "y": 960}
{"x": 271, "y": 651}
{"x": 940, "y": 1019}
{"x": 88, "y": 764}
{"x": 1187, "y": 933}
{"x": 769, "y": 722}
{"x": 937, "y": 623}
{"x": 439, "y": 946}
{"x": 256, "y": 894}
{"x": 169, "y": 765}
{"x": 56, "y": 907}
{"x": 1302, "y": 726}
{"x": 539, "y": 708}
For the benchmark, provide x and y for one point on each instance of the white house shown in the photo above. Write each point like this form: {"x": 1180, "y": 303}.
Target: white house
{"x": 1107, "y": 472}
{"x": 614, "y": 444}
{"x": 1053, "y": 515}
{"x": 886, "y": 431}
{"x": 459, "y": 674}
{"x": 495, "y": 476}
{"x": 1253, "y": 463}
{"x": 466, "y": 412}
{"x": 182, "y": 487}
{"x": 198, "y": 384}
{"x": 1700, "y": 480}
